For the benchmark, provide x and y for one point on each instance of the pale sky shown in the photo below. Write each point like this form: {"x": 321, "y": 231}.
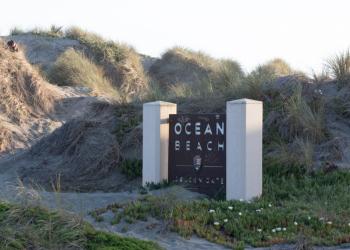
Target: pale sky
{"x": 304, "y": 33}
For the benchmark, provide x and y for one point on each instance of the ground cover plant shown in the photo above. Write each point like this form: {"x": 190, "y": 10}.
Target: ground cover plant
{"x": 293, "y": 205}
{"x": 131, "y": 168}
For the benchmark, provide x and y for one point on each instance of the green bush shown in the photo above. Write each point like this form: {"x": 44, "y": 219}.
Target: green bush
{"x": 131, "y": 168}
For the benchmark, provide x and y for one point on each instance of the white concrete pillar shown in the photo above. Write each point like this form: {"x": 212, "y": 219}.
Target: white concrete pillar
{"x": 244, "y": 129}
{"x": 156, "y": 140}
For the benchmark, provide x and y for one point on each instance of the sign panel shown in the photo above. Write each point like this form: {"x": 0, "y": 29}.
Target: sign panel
{"x": 197, "y": 151}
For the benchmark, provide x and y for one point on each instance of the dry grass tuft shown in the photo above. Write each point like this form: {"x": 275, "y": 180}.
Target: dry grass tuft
{"x": 304, "y": 120}
{"x": 53, "y": 31}
{"x": 72, "y": 68}
{"x": 43, "y": 226}
{"x": 178, "y": 54}
{"x": 299, "y": 153}
{"x": 5, "y": 138}
{"x": 278, "y": 68}
{"x": 120, "y": 62}
{"x": 154, "y": 91}
{"x": 23, "y": 91}
{"x": 339, "y": 65}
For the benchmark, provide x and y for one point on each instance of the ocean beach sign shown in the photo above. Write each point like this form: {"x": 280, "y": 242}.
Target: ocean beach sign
{"x": 197, "y": 153}
{"x": 206, "y": 152}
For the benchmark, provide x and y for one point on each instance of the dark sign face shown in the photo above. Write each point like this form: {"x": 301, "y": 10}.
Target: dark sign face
{"x": 197, "y": 151}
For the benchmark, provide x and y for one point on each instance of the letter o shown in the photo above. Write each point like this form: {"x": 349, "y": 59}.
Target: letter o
{"x": 177, "y": 125}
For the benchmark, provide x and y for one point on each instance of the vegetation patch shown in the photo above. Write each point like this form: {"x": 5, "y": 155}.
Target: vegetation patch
{"x": 24, "y": 227}
{"x": 295, "y": 204}
{"x": 53, "y": 32}
{"x": 72, "y": 68}
{"x": 339, "y": 66}
{"x": 127, "y": 120}
{"x": 149, "y": 186}
{"x": 121, "y": 62}
{"x": 131, "y": 168}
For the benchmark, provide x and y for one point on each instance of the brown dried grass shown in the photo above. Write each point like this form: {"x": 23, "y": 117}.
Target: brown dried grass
{"x": 125, "y": 72}
{"x": 5, "y": 138}
{"x": 23, "y": 90}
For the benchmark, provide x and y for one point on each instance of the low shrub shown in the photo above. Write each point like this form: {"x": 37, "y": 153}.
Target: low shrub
{"x": 131, "y": 168}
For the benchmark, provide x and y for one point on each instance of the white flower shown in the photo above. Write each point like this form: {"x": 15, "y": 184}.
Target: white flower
{"x": 248, "y": 201}
{"x": 259, "y": 230}
{"x": 216, "y": 223}
{"x": 259, "y": 210}
{"x": 211, "y": 211}
{"x": 269, "y": 205}
{"x": 325, "y": 203}
{"x": 321, "y": 219}
{"x": 225, "y": 220}
{"x": 296, "y": 223}
{"x": 349, "y": 224}
{"x": 240, "y": 199}
{"x": 278, "y": 229}
{"x": 273, "y": 230}
{"x": 309, "y": 218}
{"x": 284, "y": 229}
{"x": 329, "y": 222}
{"x": 240, "y": 213}
{"x": 230, "y": 208}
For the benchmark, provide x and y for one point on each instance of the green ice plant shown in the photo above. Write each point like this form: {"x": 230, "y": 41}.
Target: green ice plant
{"x": 289, "y": 207}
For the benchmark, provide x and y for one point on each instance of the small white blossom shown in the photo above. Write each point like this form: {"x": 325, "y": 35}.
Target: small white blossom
{"x": 273, "y": 230}
{"x": 259, "y": 210}
{"x": 230, "y": 208}
{"x": 284, "y": 229}
{"x": 225, "y": 220}
{"x": 216, "y": 223}
{"x": 329, "y": 222}
{"x": 325, "y": 203}
{"x": 278, "y": 229}
{"x": 269, "y": 205}
{"x": 321, "y": 219}
{"x": 248, "y": 201}
{"x": 349, "y": 224}
{"x": 296, "y": 223}
{"x": 240, "y": 199}
{"x": 211, "y": 211}
{"x": 309, "y": 218}
{"x": 240, "y": 213}
{"x": 259, "y": 230}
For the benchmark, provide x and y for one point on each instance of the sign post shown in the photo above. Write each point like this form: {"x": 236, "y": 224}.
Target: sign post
{"x": 244, "y": 149}
{"x": 206, "y": 152}
{"x": 156, "y": 140}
